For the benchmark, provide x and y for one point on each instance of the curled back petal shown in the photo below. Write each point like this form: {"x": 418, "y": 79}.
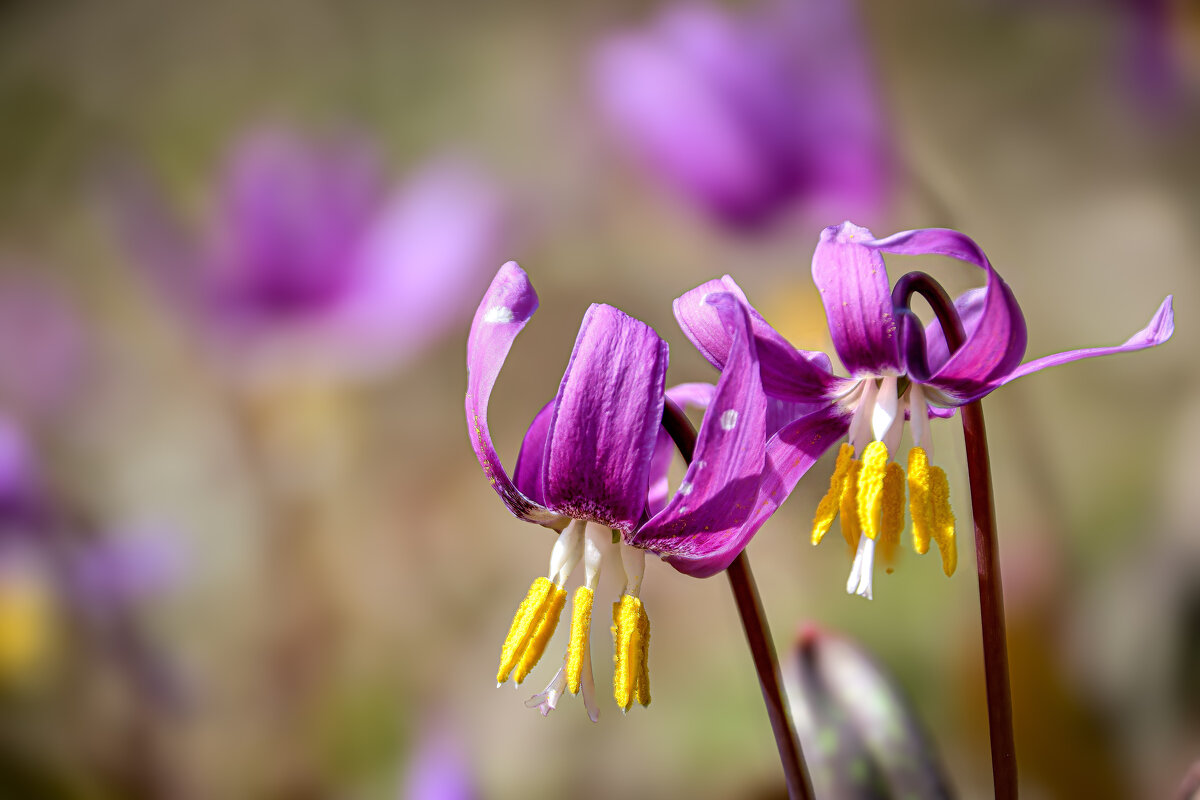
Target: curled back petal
{"x": 606, "y": 418}
{"x": 787, "y": 373}
{"x": 995, "y": 340}
{"x": 699, "y": 532}
{"x": 854, "y": 288}
{"x": 1160, "y": 328}
{"x": 507, "y": 305}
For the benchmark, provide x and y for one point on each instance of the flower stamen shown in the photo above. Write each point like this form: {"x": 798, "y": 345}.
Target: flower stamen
{"x": 827, "y": 509}
{"x": 532, "y": 627}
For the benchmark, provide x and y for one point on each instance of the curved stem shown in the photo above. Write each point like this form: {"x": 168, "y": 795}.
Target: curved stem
{"x": 758, "y": 635}
{"x": 987, "y": 557}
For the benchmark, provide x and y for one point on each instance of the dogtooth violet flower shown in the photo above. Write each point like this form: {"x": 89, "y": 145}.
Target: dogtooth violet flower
{"x": 898, "y": 371}
{"x": 595, "y": 454}
{"x": 311, "y": 261}
{"x": 748, "y": 115}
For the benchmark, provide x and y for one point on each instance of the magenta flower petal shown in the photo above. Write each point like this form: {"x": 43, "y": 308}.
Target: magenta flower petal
{"x": 697, "y": 395}
{"x": 790, "y": 454}
{"x": 508, "y": 304}
{"x": 606, "y": 418}
{"x": 995, "y": 340}
{"x": 1160, "y": 328}
{"x": 700, "y": 531}
{"x": 531, "y": 461}
{"x": 854, "y": 288}
{"x": 787, "y": 373}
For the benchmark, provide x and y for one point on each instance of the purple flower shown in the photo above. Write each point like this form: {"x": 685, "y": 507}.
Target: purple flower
{"x": 899, "y": 371}
{"x": 589, "y": 456}
{"x": 747, "y": 116}
{"x": 310, "y": 262}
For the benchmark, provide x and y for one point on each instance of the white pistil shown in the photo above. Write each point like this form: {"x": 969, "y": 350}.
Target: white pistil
{"x": 566, "y": 553}
{"x": 862, "y": 569}
{"x": 547, "y": 700}
{"x": 920, "y": 419}
{"x": 633, "y": 560}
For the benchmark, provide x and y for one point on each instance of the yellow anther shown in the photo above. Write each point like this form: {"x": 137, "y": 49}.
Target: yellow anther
{"x": 870, "y": 488}
{"x": 849, "y": 505}
{"x": 892, "y": 517}
{"x": 643, "y": 677}
{"x": 920, "y": 499}
{"x": 532, "y": 627}
{"x": 827, "y": 509}
{"x": 631, "y": 642}
{"x": 929, "y": 505}
{"x": 577, "y": 650}
{"x": 943, "y": 528}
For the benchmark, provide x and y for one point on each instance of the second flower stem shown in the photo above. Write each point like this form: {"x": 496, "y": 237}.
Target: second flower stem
{"x": 758, "y": 635}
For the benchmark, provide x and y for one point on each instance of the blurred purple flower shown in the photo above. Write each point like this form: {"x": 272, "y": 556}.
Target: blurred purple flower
{"x": 438, "y": 769}
{"x": 310, "y": 263}
{"x": 54, "y": 566}
{"x": 748, "y": 115}
{"x": 898, "y": 370}
{"x": 1154, "y": 60}
{"x": 591, "y": 455}
{"x": 43, "y": 344}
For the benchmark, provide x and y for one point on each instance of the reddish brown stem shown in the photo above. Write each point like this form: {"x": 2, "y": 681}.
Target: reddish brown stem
{"x": 758, "y": 636}
{"x": 987, "y": 557}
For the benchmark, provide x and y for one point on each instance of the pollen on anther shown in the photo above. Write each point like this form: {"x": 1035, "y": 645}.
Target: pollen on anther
{"x": 827, "y": 509}
{"x": 870, "y": 488}
{"x": 531, "y": 629}
{"x": 577, "y": 650}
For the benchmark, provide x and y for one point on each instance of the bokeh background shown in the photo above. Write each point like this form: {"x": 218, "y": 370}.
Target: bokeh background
{"x": 247, "y": 555}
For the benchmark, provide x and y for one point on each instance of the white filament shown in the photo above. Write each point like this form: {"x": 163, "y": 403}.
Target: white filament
{"x": 883, "y": 416}
{"x": 920, "y": 419}
{"x": 566, "y": 553}
{"x": 633, "y": 560}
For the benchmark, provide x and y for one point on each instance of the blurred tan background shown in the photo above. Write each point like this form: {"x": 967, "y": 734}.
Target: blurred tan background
{"x": 345, "y": 575}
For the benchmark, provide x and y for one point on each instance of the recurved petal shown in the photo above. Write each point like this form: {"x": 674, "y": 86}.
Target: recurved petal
{"x": 1160, "y": 329}
{"x": 995, "y": 328}
{"x": 853, "y": 283}
{"x": 787, "y": 373}
{"x": 606, "y": 418}
{"x": 507, "y": 305}
{"x": 700, "y": 531}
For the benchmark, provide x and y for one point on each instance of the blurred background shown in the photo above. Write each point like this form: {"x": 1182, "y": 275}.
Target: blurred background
{"x": 245, "y": 548}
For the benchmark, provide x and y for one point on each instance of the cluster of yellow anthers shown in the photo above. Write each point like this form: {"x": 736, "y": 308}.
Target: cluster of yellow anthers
{"x": 869, "y": 496}
{"x": 538, "y": 616}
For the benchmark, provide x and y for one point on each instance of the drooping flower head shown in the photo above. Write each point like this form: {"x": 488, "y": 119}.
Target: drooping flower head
{"x": 749, "y": 115}
{"x": 311, "y": 262}
{"x": 595, "y": 454}
{"x": 898, "y": 371}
